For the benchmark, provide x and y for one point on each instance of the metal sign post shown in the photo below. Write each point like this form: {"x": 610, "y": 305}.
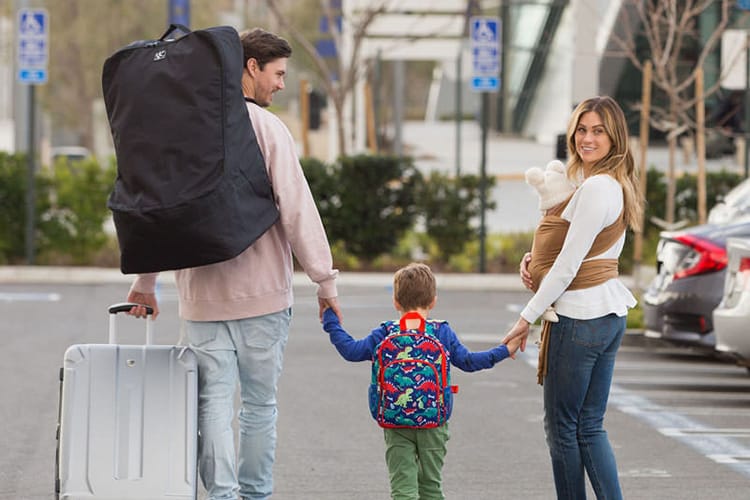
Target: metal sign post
{"x": 32, "y": 54}
{"x": 485, "y": 78}
{"x": 747, "y": 105}
{"x": 745, "y": 5}
{"x": 179, "y": 12}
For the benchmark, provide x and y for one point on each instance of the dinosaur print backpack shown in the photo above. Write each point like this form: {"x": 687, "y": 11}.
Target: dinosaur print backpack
{"x": 410, "y": 386}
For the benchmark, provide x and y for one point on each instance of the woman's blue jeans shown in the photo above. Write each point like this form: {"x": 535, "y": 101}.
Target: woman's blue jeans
{"x": 581, "y": 363}
{"x": 250, "y": 352}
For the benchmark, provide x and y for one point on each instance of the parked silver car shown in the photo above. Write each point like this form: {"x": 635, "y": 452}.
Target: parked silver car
{"x": 690, "y": 274}
{"x": 734, "y": 206}
{"x": 732, "y": 316}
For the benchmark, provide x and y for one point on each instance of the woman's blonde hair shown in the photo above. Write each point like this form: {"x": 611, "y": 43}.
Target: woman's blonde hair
{"x": 618, "y": 163}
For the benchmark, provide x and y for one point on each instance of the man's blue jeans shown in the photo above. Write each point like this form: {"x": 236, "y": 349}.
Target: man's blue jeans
{"x": 580, "y": 367}
{"x": 249, "y": 351}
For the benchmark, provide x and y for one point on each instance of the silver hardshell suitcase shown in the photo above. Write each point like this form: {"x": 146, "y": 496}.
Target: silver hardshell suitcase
{"x": 127, "y": 425}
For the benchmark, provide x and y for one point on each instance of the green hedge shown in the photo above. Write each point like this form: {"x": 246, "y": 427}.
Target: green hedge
{"x": 13, "y": 187}
{"x": 379, "y": 212}
{"x": 73, "y": 228}
{"x": 70, "y": 210}
{"x": 370, "y": 204}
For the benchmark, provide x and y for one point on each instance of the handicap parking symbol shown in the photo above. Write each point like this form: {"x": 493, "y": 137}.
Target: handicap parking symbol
{"x": 484, "y": 31}
{"x": 32, "y": 23}
{"x": 32, "y": 45}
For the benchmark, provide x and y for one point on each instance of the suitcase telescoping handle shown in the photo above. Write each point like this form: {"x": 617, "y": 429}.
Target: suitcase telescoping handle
{"x": 125, "y": 307}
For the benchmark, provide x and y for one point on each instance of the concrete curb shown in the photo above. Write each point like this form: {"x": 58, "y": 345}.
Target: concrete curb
{"x": 65, "y": 275}
{"x": 95, "y": 275}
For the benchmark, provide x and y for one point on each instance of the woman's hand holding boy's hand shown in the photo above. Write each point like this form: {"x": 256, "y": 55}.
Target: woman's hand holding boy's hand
{"x": 513, "y": 345}
{"x": 517, "y": 336}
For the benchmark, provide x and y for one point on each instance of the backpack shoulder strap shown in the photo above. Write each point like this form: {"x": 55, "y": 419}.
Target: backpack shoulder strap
{"x": 391, "y": 327}
{"x": 432, "y": 326}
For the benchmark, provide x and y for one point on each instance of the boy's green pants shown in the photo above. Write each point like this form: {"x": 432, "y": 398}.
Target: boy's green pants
{"x": 415, "y": 462}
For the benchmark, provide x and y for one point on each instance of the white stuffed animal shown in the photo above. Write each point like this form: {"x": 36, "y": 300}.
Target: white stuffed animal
{"x": 553, "y": 188}
{"x": 552, "y": 185}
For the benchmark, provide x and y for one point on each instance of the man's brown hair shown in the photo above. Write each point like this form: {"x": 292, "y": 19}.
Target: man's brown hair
{"x": 414, "y": 286}
{"x": 263, "y": 46}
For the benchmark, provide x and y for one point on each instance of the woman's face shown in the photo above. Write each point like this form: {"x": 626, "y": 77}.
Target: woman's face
{"x": 592, "y": 141}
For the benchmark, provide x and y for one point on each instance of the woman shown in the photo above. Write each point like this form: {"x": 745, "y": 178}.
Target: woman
{"x": 583, "y": 242}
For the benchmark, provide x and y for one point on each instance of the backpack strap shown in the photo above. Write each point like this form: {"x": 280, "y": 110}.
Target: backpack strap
{"x": 412, "y": 315}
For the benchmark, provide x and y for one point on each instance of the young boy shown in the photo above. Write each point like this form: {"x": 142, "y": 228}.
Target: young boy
{"x": 415, "y": 456}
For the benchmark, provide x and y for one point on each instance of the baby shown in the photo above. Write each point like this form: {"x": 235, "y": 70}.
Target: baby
{"x": 553, "y": 188}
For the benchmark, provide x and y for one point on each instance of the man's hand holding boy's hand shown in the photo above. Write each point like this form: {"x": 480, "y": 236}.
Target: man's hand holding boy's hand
{"x": 329, "y": 303}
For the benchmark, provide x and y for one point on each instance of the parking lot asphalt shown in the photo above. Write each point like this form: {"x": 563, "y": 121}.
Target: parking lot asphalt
{"x": 671, "y": 411}
{"x": 95, "y": 275}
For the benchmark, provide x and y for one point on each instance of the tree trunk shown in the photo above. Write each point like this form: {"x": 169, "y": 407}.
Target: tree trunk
{"x": 672, "y": 141}
{"x": 340, "y": 126}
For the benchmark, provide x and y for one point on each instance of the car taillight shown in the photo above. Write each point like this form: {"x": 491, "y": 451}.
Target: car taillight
{"x": 705, "y": 257}
{"x": 744, "y": 264}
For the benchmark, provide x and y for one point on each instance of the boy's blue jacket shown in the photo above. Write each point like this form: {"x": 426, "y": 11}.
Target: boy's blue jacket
{"x": 362, "y": 350}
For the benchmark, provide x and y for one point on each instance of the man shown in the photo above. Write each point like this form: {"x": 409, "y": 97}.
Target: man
{"x": 237, "y": 313}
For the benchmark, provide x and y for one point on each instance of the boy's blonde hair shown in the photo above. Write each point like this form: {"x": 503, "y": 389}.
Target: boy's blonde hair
{"x": 414, "y": 286}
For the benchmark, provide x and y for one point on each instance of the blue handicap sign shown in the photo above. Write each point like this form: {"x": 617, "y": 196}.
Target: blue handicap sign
{"x": 32, "y": 23}
{"x": 33, "y": 45}
{"x": 32, "y": 75}
{"x": 485, "y": 83}
{"x": 484, "y": 30}
{"x": 485, "y": 51}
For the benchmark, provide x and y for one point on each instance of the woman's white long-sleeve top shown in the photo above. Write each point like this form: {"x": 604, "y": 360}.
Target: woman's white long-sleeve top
{"x": 595, "y": 205}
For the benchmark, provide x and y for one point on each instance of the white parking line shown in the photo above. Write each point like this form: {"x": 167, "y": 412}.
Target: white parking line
{"x": 717, "y": 445}
{"x": 708, "y": 441}
{"x": 703, "y": 411}
{"x": 669, "y": 431}
{"x": 665, "y": 378}
{"x": 645, "y": 473}
{"x": 728, "y": 459}
{"x": 29, "y": 297}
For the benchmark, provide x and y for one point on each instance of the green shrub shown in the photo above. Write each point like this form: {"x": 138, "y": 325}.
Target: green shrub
{"x": 70, "y": 211}
{"x": 503, "y": 254}
{"x": 13, "y": 206}
{"x": 448, "y": 206}
{"x": 371, "y": 206}
{"x": 718, "y": 184}
{"x": 635, "y": 317}
{"x": 368, "y": 202}
{"x": 322, "y": 181}
{"x": 73, "y": 227}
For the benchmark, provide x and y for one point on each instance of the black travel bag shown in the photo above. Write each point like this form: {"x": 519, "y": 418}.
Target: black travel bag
{"x": 192, "y": 187}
